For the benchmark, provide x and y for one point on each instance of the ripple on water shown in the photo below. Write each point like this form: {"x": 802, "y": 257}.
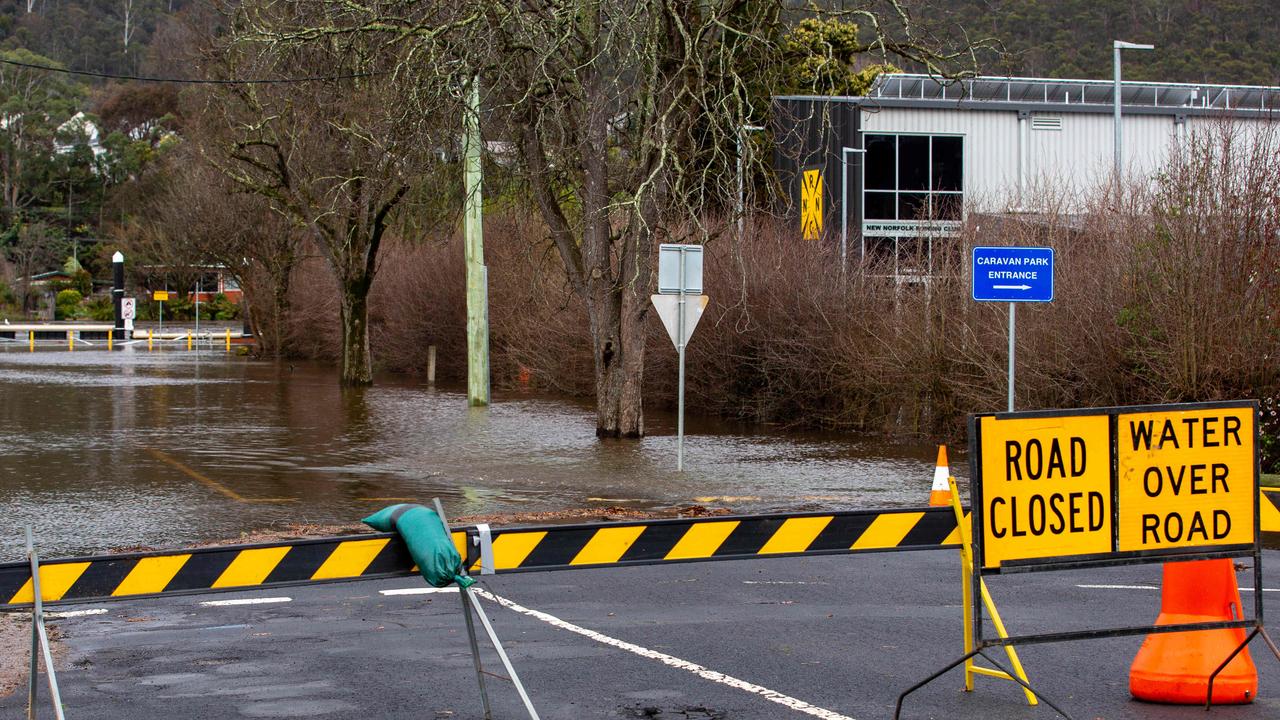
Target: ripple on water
{"x": 125, "y": 449}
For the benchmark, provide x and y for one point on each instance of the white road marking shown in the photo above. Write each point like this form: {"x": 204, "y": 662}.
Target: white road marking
{"x": 246, "y": 601}
{"x": 780, "y": 582}
{"x": 675, "y": 662}
{"x": 1153, "y": 587}
{"x": 75, "y": 613}
{"x": 419, "y": 591}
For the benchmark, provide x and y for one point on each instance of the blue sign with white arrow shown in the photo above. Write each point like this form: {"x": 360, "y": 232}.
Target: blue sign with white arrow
{"x": 1013, "y": 274}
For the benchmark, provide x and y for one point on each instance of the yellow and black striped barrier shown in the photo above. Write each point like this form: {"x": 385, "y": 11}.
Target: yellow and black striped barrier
{"x": 557, "y": 547}
{"x": 512, "y": 550}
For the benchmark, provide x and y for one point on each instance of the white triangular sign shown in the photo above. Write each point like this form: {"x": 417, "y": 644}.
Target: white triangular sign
{"x": 668, "y": 307}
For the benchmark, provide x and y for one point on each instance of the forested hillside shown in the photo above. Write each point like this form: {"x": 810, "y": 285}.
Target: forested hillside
{"x": 1218, "y": 41}
{"x": 1211, "y": 41}
{"x": 109, "y": 36}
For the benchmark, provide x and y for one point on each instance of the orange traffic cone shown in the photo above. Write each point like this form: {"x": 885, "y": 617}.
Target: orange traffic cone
{"x": 941, "y": 493}
{"x": 1174, "y": 668}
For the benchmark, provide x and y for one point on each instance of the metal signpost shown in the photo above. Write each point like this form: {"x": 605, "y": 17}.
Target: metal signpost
{"x": 844, "y": 207}
{"x": 1012, "y": 275}
{"x": 129, "y": 313}
{"x": 679, "y": 277}
{"x": 160, "y": 296}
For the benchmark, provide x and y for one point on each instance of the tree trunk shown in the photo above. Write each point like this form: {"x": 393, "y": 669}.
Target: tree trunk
{"x": 618, "y": 339}
{"x": 279, "y": 311}
{"x": 357, "y": 368}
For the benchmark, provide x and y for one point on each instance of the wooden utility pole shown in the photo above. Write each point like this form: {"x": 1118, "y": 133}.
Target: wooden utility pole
{"x": 477, "y": 273}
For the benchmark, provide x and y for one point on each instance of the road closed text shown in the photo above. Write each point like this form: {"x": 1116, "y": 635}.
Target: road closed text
{"x": 1046, "y": 487}
{"x": 1186, "y": 478}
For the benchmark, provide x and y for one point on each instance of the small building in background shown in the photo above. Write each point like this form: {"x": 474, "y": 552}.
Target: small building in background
{"x": 895, "y": 173}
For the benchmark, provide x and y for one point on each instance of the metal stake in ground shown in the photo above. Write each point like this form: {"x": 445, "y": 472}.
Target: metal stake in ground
{"x": 468, "y": 604}
{"x": 39, "y": 640}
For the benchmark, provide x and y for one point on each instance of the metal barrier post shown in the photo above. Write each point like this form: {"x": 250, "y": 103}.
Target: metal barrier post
{"x": 40, "y": 640}
{"x": 469, "y": 603}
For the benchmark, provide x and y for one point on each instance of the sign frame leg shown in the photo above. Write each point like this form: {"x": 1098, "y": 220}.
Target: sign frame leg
{"x": 972, "y": 669}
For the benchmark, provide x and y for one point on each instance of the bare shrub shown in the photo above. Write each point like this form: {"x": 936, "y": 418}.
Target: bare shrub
{"x": 1163, "y": 292}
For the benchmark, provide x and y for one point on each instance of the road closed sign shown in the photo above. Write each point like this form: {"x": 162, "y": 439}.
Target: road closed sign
{"x": 1060, "y": 487}
{"x": 1046, "y": 487}
{"x": 1186, "y": 478}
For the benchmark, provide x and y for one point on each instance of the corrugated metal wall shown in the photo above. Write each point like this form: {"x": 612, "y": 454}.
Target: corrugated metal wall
{"x": 808, "y": 134}
{"x": 990, "y": 146}
{"x": 1068, "y": 162}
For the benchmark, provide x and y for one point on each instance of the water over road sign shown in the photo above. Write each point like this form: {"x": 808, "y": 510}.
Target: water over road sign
{"x": 1012, "y": 274}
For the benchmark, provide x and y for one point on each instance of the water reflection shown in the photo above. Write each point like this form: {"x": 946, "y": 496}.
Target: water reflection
{"x": 104, "y": 450}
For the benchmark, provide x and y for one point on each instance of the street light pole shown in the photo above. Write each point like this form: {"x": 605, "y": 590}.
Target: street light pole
{"x": 742, "y": 173}
{"x": 1117, "y": 46}
{"x": 844, "y": 204}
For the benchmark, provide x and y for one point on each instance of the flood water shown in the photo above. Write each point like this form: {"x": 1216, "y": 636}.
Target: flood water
{"x": 106, "y": 450}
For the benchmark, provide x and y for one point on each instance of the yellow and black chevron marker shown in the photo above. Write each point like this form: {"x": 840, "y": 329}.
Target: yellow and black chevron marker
{"x": 559, "y": 547}
{"x": 811, "y": 204}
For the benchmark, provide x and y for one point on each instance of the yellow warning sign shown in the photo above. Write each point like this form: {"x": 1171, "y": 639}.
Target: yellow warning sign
{"x": 160, "y": 295}
{"x": 1045, "y": 487}
{"x": 811, "y": 204}
{"x": 1186, "y": 478}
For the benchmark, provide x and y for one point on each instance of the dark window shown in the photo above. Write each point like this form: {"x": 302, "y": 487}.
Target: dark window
{"x": 913, "y": 177}
{"x": 947, "y": 206}
{"x": 881, "y": 158}
{"x": 913, "y": 162}
{"x": 948, "y": 168}
{"x": 913, "y": 255}
{"x": 880, "y": 206}
{"x": 880, "y": 251}
{"x": 913, "y": 206}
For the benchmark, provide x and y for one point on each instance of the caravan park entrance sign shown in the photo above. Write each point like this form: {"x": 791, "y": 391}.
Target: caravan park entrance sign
{"x": 1013, "y": 274}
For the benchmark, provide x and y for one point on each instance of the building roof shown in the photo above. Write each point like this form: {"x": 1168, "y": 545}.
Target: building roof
{"x": 1046, "y": 94}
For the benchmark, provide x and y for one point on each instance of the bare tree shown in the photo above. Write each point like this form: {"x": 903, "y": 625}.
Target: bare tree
{"x": 626, "y": 114}
{"x": 189, "y": 214}
{"x": 338, "y": 156}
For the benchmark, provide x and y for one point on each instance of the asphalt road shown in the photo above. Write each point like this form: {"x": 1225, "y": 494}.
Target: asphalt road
{"x": 828, "y": 637}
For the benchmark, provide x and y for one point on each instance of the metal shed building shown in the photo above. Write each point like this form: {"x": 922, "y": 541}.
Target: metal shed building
{"x": 901, "y": 168}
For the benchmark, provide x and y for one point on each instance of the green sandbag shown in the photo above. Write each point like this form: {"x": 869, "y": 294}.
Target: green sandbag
{"x": 429, "y": 545}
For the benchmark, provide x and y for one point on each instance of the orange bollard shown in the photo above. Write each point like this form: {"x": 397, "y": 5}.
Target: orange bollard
{"x": 941, "y": 492}
{"x": 1174, "y": 668}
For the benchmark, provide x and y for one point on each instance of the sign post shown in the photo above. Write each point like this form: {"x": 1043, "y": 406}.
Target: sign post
{"x": 160, "y": 296}
{"x": 679, "y": 276}
{"x": 129, "y": 312}
{"x": 1012, "y": 275}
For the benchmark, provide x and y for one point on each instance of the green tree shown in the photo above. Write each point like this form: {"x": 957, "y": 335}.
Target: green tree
{"x": 826, "y": 57}
{"x": 33, "y": 105}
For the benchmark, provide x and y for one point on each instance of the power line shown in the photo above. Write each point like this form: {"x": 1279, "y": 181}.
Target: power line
{"x": 184, "y": 81}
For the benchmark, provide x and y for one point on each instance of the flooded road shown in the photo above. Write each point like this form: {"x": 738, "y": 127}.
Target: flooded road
{"x": 104, "y": 450}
